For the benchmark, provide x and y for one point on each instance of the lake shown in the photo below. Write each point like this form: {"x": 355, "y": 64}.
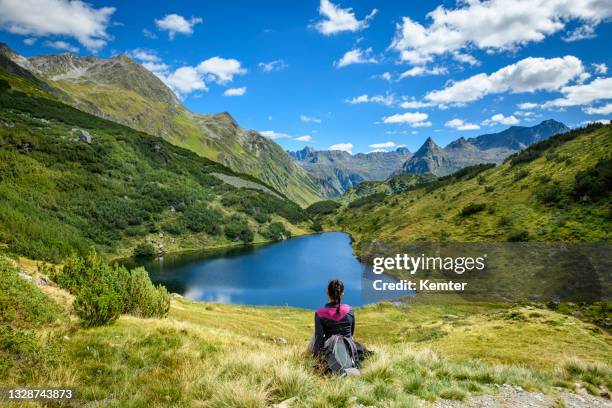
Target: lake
{"x": 294, "y": 272}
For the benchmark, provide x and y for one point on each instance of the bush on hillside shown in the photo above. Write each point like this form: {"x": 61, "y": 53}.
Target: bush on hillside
{"x": 144, "y": 299}
{"x": 144, "y": 250}
{"x": 237, "y": 229}
{"x": 101, "y": 300}
{"x": 594, "y": 183}
{"x": 519, "y": 236}
{"x": 201, "y": 218}
{"x": 550, "y": 195}
{"x": 104, "y": 291}
{"x": 320, "y": 208}
{"x": 472, "y": 208}
{"x": 367, "y": 200}
{"x": 276, "y": 231}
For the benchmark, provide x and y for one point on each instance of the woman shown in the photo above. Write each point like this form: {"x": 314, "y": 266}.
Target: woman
{"x": 334, "y": 318}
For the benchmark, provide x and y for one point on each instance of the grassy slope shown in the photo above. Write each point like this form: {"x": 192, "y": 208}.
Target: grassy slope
{"x": 510, "y": 200}
{"x": 60, "y": 193}
{"x": 176, "y": 124}
{"x": 216, "y": 355}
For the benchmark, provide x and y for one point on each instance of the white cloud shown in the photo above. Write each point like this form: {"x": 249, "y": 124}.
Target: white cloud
{"x": 602, "y": 121}
{"x": 184, "y": 80}
{"x": 494, "y": 25}
{"x": 305, "y": 138}
{"x": 527, "y": 75}
{"x": 356, "y": 56}
{"x": 62, "y": 45}
{"x": 43, "y": 18}
{"x": 235, "y": 91}
{"x": 176, "y": 24}
{"x": 337, "y": 20}
{"x": 422, "y": 71}
{"x": 412, "y": 104}
{"x": 274, "y": 135}
{"x": 309, "y": 119}
{"x": 527, "y": 105}
{"x": 346, "y": 147}
{"x": 600, "y": 68}
{"x": 465, "y": 59}
{"x": 220, "y": 70}
{"x": 383, "y": 146}
{"x": 145, "y": 55}
{"x": 602, "y": 110}
{"x": 524, "y": 114}
{"x": 386, "y": 76}
{"x": 276, "y": 65}
{"x": 421, "y": 124}
{"x": 500, "y": 119}
{"x": 416, "y": 119}
{"x": 584, "y": 32}
{"x": 583, "y": 94}
{"x": 30, "y": 41}
{"x": 460, "y": 124}
{"x": 147, "y": 33}
{"x": 387, "y": 100}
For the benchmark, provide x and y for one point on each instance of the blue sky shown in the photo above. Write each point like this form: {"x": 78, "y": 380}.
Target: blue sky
{"x": 326, "y": 74}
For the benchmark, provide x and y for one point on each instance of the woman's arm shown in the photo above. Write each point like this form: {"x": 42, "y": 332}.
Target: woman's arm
{"x": 352, "y": 324}
{"x": 319, "y": 336}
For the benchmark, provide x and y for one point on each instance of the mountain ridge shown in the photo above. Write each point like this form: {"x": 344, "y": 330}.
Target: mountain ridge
{"x": 487, "y": 148}
{"x": 122, "y": 90}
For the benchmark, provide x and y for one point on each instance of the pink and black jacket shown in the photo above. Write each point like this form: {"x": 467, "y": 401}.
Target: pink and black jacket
{"x": 329, "y": 322}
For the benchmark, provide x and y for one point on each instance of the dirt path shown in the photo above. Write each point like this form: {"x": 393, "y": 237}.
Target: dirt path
{"x": 515, "y": 397}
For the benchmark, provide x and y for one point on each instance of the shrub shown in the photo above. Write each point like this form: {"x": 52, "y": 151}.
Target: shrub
{"x": 142, "y": 298}
{"x": 200, "y": 217}
{"x": 521, "y": 174}
{"x": 367, "y": 200}
{"x": 518, "y": 236}
{"x": 101, "y": 300}
{"x": 316, "y": 226}
{"x": 472, "y": 208}
{"x": 323, "y": 208}
{"x": 550, "y": 195}
{"x": 144, "y": 250}
{"x": 237, "y": 229}
{"x": 595, "y": 183}
{"x": 276, "y": 231}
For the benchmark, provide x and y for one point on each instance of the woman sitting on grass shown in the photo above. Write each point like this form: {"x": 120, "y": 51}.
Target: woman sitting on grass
{"x": 335, "y": 319}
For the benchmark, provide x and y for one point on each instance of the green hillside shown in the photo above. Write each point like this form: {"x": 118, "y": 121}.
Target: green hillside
{"x": 121, "y": 90}
{"x": 556, "y": 190}
{"x": 69, "y": 180}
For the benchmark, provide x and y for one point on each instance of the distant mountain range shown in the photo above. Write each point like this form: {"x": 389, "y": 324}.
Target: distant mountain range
{"x": 489, "y": 148}
{"x": 121, "y": 90}
{"x": 337, "y": 171}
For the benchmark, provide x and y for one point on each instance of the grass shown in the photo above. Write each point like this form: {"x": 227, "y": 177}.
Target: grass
{"x": 215, "y": 355}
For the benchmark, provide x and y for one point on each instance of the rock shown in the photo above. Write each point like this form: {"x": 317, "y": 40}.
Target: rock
{"x": 280, "y": 340}
{"x": 577, "y": 313}
{"x": 84, "y": 136}
{"x": 604, "y": 393}
{"x": 66, "y": 338}
{"x": 25, "y": 276}
{"x": 450, "y": 316}
{"x": 176, "y": 296}
{"x": 43, "y": 281}
{"x": 286, "y": 403}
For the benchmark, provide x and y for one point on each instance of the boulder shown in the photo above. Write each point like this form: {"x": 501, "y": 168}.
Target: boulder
{"x": 84, "y": 136}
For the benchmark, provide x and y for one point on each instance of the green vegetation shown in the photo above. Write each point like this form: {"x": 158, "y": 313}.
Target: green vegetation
{"x": 203, "y": 354}
{"x": 62, "y": 192}
{"x": 393, "y": 185}
{"x": 104, "y": 291}
{"x": 555, "y": 190}
{"x": 320, "y": 208}
{"x": 144, "y": 250}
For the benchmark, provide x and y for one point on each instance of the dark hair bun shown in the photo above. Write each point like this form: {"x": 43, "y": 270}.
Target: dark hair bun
{"x": 336, "y": 290}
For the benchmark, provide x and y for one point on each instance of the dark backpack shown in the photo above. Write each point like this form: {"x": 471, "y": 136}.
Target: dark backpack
{"x": 340, "y": 355}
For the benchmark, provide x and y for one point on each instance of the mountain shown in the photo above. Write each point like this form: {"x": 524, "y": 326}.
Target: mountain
{"x": 70, "y": 180}
{"x": 337, "y": 171}
{"x": 489, "y": 148}
{"x": 555, "y": 190}
{"x": 393, "y": 185}
{"x": 122, "y": 90}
